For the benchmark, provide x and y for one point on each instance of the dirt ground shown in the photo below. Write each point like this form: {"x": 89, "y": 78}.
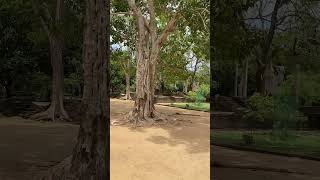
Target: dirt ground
{"x": 158, "y": 153}
{"x": 234, "y": 164}
{"x": 28, "y": 147}
{"x": 174, "y": 153}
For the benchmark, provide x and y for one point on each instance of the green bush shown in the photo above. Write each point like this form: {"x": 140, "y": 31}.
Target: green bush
{"x": 204, "y": 90}
{"x": 200, "y": 94}
{"x": 262, "y": 109}
{"x": 254, "y": 119}
{"x": 285, "y": 115}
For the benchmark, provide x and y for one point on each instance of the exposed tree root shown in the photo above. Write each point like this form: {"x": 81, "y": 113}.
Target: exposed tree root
{"x": 159, "y": 119}
{"x": 51, "y": 115}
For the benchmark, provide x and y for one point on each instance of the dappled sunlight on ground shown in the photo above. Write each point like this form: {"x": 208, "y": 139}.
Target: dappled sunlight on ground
{"x": 175, "y": 153}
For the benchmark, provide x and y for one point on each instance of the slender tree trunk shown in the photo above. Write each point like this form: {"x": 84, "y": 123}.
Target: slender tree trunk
{"x": 128, "y": 96}
{"x": 8, "y": 93}
{"x": 185, "y": 87}
{"x": 193, "y": 77}
{"x": 245, "y": 86}
{"x": 297, "y": 83}
{"x": 236, "y": 80}
{"x": 127, "y": 74}
{"x": 89, "y": 160}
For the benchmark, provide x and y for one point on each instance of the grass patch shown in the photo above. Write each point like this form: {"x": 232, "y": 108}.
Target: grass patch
{"x": 193, "y": 106}
{"x": 305, "y": 143}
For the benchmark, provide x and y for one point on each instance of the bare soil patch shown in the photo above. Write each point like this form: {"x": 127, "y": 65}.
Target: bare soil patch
{"x": 175, "y": 152}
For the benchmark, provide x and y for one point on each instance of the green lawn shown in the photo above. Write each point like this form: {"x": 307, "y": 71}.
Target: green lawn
{"x": 299, "y": 142}
{"x": 193, "y": 106}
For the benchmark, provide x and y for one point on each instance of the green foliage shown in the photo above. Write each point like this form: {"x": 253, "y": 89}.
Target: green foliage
{"x": 279, "y": 112}
{"x": 204, "y": 89}
{"x": 254, "y": 119}
{"x": 262, "y": 109}
{"x": 299, "y": 142}
{"x": 309, "y": 88}
{"x": 118, "y": 69}
{"x": 198, "y": 107}
{"x": 284, "y": 116}
{"x": 200, "y": 94}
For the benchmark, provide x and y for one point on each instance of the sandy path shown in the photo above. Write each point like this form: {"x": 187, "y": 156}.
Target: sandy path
{"x": 181, "y": 153}
{"x": 176, "y": 153}
{"x": 262, "y": 166}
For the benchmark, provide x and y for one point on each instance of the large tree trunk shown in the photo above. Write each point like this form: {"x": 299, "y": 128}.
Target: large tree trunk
{"x": 89, "y": 160}
{"x": 148, "y": 49}
{"x": 264, "y": 78}
{"x": 56, "y": 108}
{"x": 90, "y": 154}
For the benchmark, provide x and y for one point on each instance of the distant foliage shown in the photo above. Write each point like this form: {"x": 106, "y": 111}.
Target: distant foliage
{"x": 200, "y": 94}
{"x": 41, "y": 86}
{"x": 204, "y": 89}
{"x": 278, "y": 112}
{"x": 285, "y": 115}
{"x": 262, "y": 109}
{"x": 309, "y": 88}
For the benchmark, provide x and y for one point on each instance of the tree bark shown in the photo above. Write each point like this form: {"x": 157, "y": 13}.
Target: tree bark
{"x": 264, "y": 78}
{"x": 127, "y": 74}
{"x": 56, "y": 108}
{"x": 192, "y": 82}
{"x": 148, "y": 49}
{"x": 89, "y": 158}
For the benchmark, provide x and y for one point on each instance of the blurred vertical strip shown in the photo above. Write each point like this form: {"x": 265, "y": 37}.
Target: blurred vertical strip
{"x": 212, "y": 58}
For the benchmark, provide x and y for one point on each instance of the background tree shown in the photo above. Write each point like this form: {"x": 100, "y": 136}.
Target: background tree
{"x": 52, "y": 23}
{"x": 123, "y": 37}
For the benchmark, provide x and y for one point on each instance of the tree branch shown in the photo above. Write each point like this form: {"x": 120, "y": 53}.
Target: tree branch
{"x": 152, "y": 23}
{"x": 170, "y": 27}
{"x": 136, "y": 12}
